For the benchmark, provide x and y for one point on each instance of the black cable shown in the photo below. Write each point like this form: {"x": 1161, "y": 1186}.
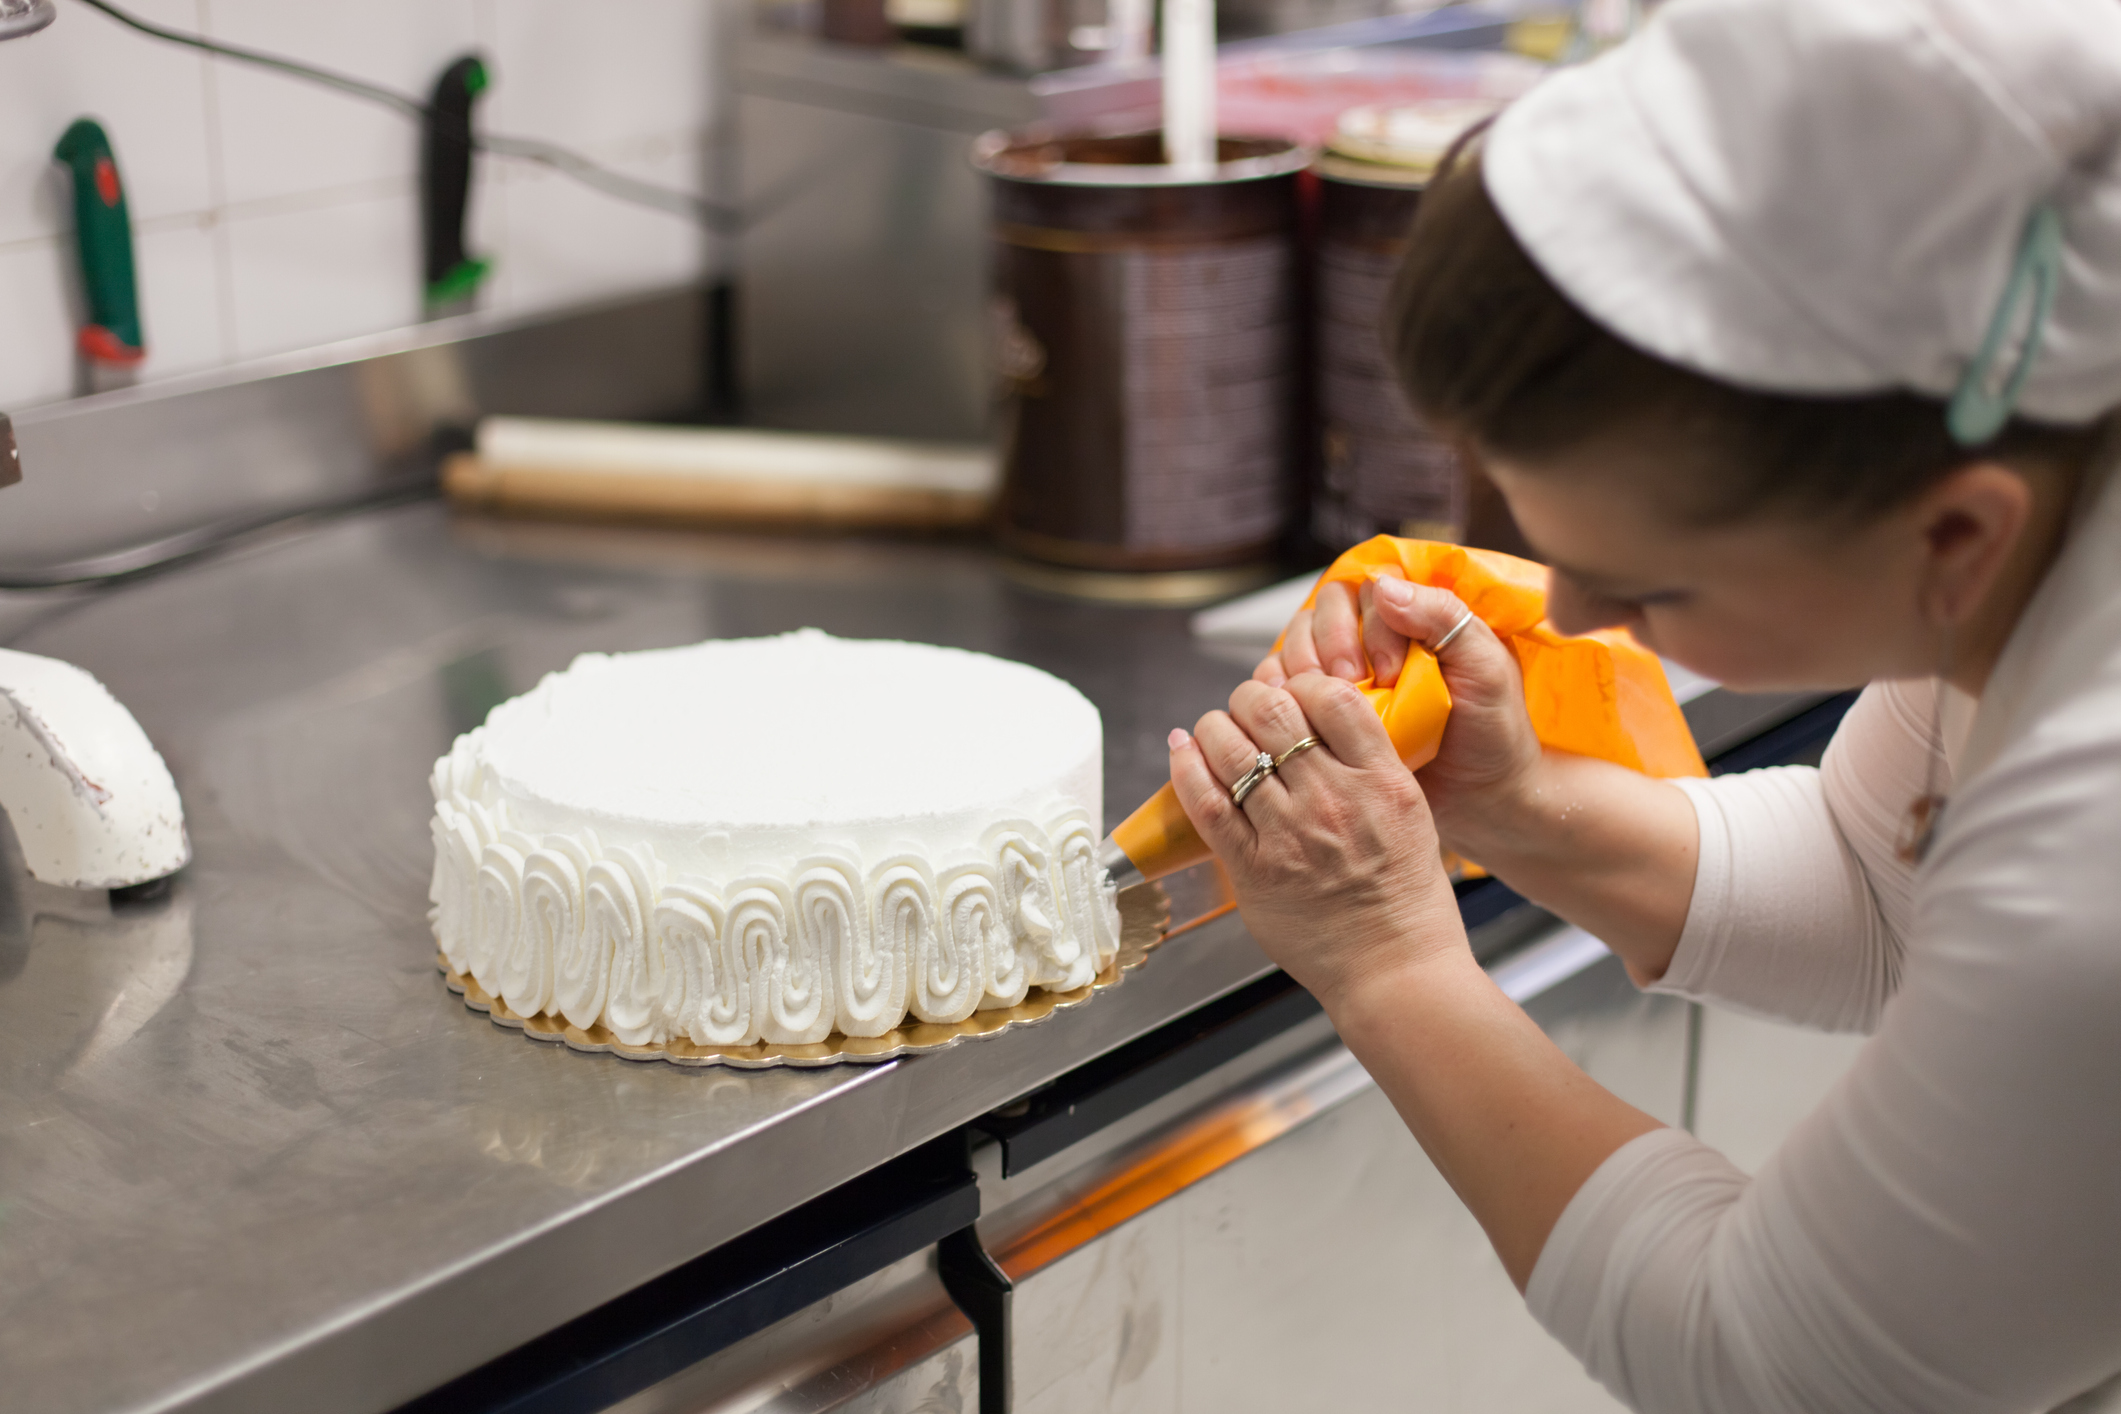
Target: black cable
{"x": 566, "y": 162}
{"x": 360, "y": 88}
{"x": 155, "y": 556}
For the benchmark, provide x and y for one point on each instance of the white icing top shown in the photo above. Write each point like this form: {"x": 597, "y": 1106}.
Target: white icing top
{"x": 771, "y": 741}
{"x": 775, "y": 838}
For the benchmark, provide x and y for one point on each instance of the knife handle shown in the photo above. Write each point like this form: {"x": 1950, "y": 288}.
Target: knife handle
{"x": 445, "y": 183}
{"x": 10, "y": 455}
{"x": 103, "y": 235}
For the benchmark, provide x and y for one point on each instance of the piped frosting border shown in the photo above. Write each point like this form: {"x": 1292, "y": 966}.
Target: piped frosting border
{"x": 565, "y": 925}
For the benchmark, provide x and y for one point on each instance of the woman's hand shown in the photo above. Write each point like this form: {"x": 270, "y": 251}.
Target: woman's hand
{"x": 1609, "y": 849}
{"x": 1337, "y": 873}
{"x": 1489, "y": 755}
{"x": 1334, "y": 857}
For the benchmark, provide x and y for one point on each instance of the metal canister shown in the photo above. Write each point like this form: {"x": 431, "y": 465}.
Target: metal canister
{"x": 1035, "y": 36}
{"x": 1146, "y": 329}
{"x": 1376, "y": 468}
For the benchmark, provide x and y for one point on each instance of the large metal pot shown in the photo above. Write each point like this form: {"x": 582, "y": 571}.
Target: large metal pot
{"x": 1147, "y": 331}
{"x": 1377, "y": 468}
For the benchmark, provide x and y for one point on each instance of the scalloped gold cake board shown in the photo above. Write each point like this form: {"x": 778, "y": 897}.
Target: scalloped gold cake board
{"x": 1144, "y": 917}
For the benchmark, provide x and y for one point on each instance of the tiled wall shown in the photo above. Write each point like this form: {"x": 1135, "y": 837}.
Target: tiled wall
{"x": 271, "y": 215}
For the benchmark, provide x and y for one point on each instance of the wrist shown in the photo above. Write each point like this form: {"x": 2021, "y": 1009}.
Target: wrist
{"x": 1496, "y": 823}
{"x": 1429, "y": 944}
{"x": 1386, "y": 999}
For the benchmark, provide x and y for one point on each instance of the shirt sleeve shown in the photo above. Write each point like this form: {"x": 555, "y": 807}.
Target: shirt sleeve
{"x": 1800, "y": 900}
{"x": 1941, "y": 1235}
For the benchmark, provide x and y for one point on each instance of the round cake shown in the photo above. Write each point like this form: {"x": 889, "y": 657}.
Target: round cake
{"x": 774, "y": 839}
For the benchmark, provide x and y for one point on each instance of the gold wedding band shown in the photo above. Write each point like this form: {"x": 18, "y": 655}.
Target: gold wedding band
{"x": 1305, "y": 745}
{"x": 1456, "y": 629}
{"x": 1262, "y": 767}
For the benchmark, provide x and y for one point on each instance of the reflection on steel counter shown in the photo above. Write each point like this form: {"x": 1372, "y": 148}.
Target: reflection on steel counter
{"x": 360, "y": 1195}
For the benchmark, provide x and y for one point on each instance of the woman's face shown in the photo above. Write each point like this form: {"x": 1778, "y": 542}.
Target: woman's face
{"x": 1755, "y": 606}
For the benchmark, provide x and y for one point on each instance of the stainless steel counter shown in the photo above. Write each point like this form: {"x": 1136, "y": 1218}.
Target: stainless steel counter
{"x": 253, "y": 1156}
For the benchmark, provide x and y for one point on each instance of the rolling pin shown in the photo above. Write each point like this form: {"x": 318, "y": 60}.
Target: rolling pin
{"x": 713, "y": 476}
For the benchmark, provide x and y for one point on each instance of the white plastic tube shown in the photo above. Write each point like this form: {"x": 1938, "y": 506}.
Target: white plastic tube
{"x": 1127, "y": 27}
{"x": 1189, "y": 86}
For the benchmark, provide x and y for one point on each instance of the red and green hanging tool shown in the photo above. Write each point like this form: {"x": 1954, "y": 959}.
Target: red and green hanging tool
{"x": 111, "y": 341}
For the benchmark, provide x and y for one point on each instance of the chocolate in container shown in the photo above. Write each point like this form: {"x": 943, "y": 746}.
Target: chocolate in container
{"x": 1146, "y": 330}
{"x": 1377, "y": 469}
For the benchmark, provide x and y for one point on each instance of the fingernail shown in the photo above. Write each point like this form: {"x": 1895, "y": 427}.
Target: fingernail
{"x": 1396, "y": 591}
{"x": 1177, "y": 739}
{"x": 1345, "y": 668}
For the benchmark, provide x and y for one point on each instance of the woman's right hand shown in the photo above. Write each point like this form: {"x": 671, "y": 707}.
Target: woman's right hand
{"x": 1489, "y": 754}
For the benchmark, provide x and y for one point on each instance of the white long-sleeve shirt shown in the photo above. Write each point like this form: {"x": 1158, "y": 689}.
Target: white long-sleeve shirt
{"x": 1943, "y": 1234}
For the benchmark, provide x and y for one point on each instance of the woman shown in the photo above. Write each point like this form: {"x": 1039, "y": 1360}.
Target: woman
{"x": 1736, "y": 318}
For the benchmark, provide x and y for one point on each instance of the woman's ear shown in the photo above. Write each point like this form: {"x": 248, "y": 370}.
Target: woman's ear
{"x": 1969, "y": 523}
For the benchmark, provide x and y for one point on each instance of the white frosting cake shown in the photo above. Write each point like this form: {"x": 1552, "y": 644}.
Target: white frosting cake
{"x": 775, "y": 839}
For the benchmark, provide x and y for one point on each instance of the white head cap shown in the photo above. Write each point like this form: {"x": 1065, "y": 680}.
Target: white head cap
{"x": 1830, "y": 196}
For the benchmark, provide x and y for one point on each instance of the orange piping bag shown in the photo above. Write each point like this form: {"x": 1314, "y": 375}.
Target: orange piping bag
{"x": 1601, "y": 694}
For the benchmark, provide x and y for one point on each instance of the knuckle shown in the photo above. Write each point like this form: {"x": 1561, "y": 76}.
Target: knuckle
{"x": 1285, "y": 715}
{"x": 1265, "y": 712}
{"x": 1333, "y": 693}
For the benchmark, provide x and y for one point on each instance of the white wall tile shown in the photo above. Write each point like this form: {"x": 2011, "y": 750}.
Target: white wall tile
{"x": 180, "y": 298}
{"x": 180, "y": 308}
{"x": 272, "y": 214}
{"x": 282, "y": 136}
{"x": 148, "y": 96}
{"x": 561, "y": 242}
{"x": 37, "y": 326}
{"x": 588, "y": 76}
{"x": 318, "y": 273}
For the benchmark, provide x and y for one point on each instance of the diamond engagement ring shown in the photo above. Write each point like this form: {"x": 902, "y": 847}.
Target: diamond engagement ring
{"x": 1262, "y": 767}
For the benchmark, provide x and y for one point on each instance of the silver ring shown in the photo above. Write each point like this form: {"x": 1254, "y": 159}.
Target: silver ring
{"x": 1456, "y": 629}
{"x": 1262, "y": 767}
{"x": 1305, "y": 745}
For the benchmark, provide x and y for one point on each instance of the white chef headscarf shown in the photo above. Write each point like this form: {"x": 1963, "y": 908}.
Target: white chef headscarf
{"x": 1832, "y": 196}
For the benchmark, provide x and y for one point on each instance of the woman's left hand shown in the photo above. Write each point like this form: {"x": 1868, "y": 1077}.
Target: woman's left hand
{"x": 1334, "y": 857}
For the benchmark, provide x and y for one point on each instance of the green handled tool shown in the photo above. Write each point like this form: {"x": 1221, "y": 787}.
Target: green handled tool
{"x": 446, "y": 153}
{"x": 103, "y": 233}
{"x": 10, "y": 455}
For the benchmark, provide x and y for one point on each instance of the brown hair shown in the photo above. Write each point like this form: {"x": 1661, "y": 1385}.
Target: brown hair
{"x": 1492, "y": 353}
